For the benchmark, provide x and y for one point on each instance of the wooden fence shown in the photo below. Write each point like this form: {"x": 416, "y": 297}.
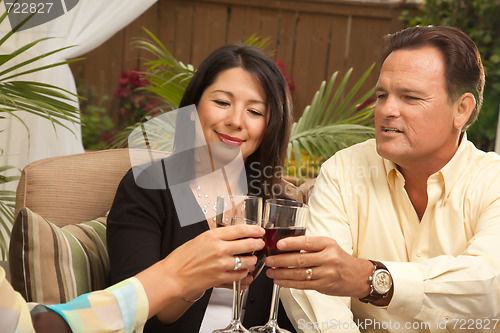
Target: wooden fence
{"x": 312, "y": 38}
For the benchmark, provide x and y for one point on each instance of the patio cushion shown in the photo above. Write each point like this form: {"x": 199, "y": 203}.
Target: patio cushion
{"x": 51, "y": 264}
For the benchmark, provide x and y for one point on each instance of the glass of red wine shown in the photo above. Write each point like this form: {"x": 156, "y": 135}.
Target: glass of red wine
{"x": 232, "y": 210}
{"x": 282, "y": 218}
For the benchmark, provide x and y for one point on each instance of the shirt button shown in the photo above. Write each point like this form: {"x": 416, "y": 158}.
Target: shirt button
{"x": 419, "y": 253}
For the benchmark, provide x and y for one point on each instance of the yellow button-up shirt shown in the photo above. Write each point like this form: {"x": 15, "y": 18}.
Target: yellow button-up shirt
{"x": 445, "y": 267}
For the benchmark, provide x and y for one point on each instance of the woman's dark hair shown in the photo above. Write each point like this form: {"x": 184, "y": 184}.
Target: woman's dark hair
{"x": 264, "y": 166}
{"x": 463, "y": 67}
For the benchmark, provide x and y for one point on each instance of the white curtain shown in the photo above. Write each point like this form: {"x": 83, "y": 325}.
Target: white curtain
{"x": 87, "y": 25}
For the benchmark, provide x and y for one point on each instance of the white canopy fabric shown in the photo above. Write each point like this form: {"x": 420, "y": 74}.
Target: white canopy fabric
{"x": 87, "y": 25}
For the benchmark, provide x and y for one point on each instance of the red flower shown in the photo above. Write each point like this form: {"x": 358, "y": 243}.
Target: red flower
{"x": 107, "y": 137}
{"x": 289, "y": 80}
{"x": 365, "y": 104}
{"x": 134, "y": 103}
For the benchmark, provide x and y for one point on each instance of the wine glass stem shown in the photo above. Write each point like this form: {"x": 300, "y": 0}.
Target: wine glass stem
{"x": 236, "y": 300}
{"x": 275, "y": 301}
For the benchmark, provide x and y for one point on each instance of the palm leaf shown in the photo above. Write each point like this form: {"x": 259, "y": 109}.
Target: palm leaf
{"x": 159, "y": 132}
{"x": 16, "y": 28}
{"x": 21, "y": 50}
{"x": 39, "y": 99}
{"x": 330, "y": 122}
{"x": 6, "y": 218}
{"x": 7, "y": 200}
{"x": 258, "y": 42}
{"x": 168, "y": 78}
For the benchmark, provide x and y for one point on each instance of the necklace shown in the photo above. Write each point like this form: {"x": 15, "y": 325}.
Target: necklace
{"x": 207, "y": 203}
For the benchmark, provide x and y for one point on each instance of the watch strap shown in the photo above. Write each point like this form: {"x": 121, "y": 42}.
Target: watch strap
{"x": 374, "y": 296}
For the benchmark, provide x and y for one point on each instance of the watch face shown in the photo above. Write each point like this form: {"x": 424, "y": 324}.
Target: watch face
{"x": 382, "y": 281}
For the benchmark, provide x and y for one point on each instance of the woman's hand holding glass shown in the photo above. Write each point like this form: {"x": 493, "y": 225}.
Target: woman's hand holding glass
{"x": 209, "y": 259}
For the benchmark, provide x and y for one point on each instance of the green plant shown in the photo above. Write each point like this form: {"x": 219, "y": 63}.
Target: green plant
{"x": 97, "y": 127}
{"x": 7, "y": 200}
{"x": 39, "y": 99}
{"x": 480, "y": 19}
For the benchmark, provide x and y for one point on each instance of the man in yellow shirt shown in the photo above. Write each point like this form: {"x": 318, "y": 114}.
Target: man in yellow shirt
{"x": 405, "y": 228}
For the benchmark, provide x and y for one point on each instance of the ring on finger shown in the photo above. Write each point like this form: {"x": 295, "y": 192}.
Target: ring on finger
{"x": 237, "y": 263}
{"x": 309, "y": 274}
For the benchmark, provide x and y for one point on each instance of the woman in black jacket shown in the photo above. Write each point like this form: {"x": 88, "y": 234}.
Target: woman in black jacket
{"x": 244, "y": 110}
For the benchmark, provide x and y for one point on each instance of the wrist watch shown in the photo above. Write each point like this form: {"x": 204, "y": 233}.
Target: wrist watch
{"x": 380, "y": 283}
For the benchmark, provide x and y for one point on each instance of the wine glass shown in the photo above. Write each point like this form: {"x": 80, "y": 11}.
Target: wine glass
{"x": 232, "y": 210}
{"x": 282, "y": 218}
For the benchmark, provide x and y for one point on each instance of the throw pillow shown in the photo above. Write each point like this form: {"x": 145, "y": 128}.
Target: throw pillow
{"x": 51, "y": 264}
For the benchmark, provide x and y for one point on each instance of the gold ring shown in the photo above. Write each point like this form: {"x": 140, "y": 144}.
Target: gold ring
{"x": 309, "y": 274}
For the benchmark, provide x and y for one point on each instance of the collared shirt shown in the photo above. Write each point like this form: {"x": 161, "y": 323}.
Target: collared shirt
{"x": 445, "y": 267}
{"x": 122, "y": 307}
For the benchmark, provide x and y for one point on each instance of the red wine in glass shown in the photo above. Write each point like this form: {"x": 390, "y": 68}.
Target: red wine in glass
{"x": 274, "y": 234}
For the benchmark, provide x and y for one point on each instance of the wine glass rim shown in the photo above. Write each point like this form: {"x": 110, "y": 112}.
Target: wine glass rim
{"x": 239, "y": 196}
{"x": 293, "y": 203}
{"x": 243, "y": 219}
{"x": 230, "y": 223}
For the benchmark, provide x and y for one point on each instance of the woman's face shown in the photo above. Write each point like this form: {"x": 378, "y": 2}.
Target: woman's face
{"x": 233, "y": 110}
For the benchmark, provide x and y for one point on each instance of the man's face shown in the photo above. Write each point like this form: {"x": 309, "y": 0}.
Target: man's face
{"x": 414, "y": 119}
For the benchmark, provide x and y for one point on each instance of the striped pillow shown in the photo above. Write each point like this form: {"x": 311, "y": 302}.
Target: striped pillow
{"x": 51, "y": 264}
